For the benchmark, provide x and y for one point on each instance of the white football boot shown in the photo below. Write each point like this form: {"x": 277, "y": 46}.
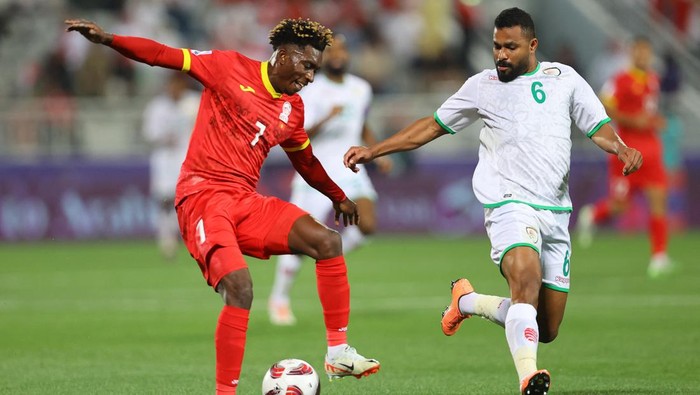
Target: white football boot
{"x": 349, "y": 363}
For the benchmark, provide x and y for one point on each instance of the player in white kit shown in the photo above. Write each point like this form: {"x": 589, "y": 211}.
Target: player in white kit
{"x": 527, "y": 108}
{"x": 167, "y": 124}
{"x": 335, "y": 112}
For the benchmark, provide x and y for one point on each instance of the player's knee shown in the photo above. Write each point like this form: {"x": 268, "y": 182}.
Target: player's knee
{"x": 239, "y": 296}
{"x": 236, "y": 289}
{"x": 329, "y": 246}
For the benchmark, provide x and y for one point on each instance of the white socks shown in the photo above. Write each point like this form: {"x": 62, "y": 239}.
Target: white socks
{"x": 522, "y": 334}
{"x": 493, "y": 308}
{"x": 287, "y": 268}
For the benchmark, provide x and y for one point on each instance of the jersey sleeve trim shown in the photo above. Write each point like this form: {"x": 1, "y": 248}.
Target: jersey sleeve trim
{"x": 266, "y": 81}
{"x": 533, "y": 71}
{"x": 442, "y": 125}
{"x": 298, "y": 148}
{"x": 597, "y": 127}
{"x": 186, "y": 60}
{"x": 533, "y": 205}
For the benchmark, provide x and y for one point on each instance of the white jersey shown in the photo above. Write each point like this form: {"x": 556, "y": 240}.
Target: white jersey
{"x": 167, "y": 125}
{"x": 343, "y": 130}
{"x": 525, "y": 143}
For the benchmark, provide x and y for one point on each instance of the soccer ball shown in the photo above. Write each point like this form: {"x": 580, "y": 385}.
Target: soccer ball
{"x": 291, "y": 377}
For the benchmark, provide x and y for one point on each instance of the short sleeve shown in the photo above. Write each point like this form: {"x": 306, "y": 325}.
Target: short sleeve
{"x": 460, "y": 110}
{"x": 205, "y": 66}
{"x": 299, "y": 139}
{"x": 587, "y": 111}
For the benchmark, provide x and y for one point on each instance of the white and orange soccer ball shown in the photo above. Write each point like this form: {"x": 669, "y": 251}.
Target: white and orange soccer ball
{"x": 291, "y": 377}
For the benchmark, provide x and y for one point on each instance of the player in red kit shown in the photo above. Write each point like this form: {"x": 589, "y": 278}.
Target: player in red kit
{"x": 248, "y": 107}
{"x": 631, "y": 99}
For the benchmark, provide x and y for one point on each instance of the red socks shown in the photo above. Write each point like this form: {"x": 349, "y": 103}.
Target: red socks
{"x": 230, "y": 344}
{"x": 658, "y": 232}
{"x": 334, "y": 292}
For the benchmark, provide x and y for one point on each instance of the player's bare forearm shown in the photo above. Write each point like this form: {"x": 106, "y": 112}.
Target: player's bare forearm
{"x": 409, "y": 138}
{"x": 607, "y": 139}
{"x": 413, "y": 136}
{"x": 610, "y": 142}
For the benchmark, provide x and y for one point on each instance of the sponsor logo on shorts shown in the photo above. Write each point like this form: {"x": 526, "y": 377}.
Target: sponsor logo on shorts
{"x": 561, "y": 280}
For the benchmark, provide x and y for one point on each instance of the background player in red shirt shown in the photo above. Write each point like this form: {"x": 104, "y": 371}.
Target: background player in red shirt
{"x": 631, "y": 99}
{"x": 247, "y": 107}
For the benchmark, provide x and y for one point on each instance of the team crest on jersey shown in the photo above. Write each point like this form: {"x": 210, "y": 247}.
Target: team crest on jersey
{"x": 553, "y": 71}
{"x": 286, "y": 110}
{"x": 532, "y": 234}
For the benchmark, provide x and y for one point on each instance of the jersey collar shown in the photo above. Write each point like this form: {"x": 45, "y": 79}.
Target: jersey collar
{"x": 533, "y": 71}
{"x": 266, "y": 81}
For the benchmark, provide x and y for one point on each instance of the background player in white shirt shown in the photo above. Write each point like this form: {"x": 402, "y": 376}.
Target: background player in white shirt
{"x": 167, "y": 124}
{"x": 522, "y": 180}
{"x": 335, "y": 112}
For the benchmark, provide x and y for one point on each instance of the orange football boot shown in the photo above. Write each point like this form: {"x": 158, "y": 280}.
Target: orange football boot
{"x": 536, "y": 383}
{"x": 452, "y": 318}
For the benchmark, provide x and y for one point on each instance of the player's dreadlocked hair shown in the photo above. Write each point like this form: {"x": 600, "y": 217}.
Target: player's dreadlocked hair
{"x": 301, "y": 32}
{"x": 516, "y": 17}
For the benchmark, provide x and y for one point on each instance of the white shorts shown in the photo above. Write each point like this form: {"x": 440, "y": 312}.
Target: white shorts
{"x": 356, "y": 186}
{"x": 547, "y": 232}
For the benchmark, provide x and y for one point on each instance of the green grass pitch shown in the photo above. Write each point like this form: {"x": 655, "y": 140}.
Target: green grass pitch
{"x": 113, "y": 318}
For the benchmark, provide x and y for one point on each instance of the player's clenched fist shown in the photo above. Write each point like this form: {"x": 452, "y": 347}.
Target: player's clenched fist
{"x": 631, "y": 158}
{"x": 89, "y": 30}
{"x": 355, "y": 156}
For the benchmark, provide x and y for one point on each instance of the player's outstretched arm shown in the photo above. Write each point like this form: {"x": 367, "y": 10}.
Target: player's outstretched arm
{"x": 409, "y": 138}
{"x": 89, "y": 30}
{"x": 610, "y": 142}
{"x": 384, "y": 163}
{"x": 140, "y": 49}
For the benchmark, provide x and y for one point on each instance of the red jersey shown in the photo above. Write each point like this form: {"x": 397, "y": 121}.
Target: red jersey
{"x": 632, "y": 92}
{"x": 241, "y": 117}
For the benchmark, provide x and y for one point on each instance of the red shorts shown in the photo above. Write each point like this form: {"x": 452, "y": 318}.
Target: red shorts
{"x": 651, "y": 174}
{"x": 252, "y": 224}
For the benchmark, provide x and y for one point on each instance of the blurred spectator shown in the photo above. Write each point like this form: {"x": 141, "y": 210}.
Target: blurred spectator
{"x": 607, "y": 63}
{"x": 468, "y": 18}
{"x": 167, "y": 126}
{"x": 678, "y": 12}
{"x": 372, "y": 61}
{"x": 672, "y": 141}
{"x": 566, "y": 54}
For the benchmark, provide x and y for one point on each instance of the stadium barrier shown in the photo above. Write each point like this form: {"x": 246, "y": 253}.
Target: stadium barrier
{"x": 108, "y": 199}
